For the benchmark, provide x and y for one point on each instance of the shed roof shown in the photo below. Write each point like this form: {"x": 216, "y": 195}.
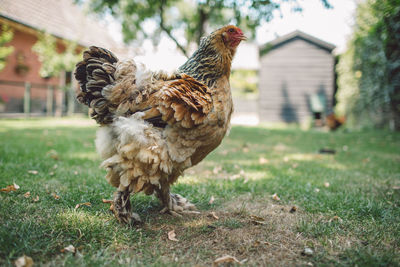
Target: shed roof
{"x": 297, "y": 35}
{"x": 60, "y": 18}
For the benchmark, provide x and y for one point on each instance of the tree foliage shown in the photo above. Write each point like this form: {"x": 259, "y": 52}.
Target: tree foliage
{"x": 369, "y": 71}
{"x": 55, "y": 59}
{"x": 6, "y": 36}
{"x": 190, "y": 17}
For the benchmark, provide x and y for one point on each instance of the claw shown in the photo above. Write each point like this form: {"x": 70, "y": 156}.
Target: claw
{"x": 176, "y": 205}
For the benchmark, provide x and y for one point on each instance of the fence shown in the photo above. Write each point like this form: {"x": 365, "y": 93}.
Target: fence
{"x": 35, "y": 99}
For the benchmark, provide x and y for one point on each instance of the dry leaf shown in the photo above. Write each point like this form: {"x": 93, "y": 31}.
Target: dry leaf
{"x": 326, "y": 184}
{"x": 293, "y": 209}
{"x": 172, "y": 236}
{"x": 76, "y": 172}
{"x": 55, "y": 196}
{"x": 366, "y": 160}
{"x": 53, "y": 154}
{"x": 245, "y": 149}
{"x": 27, "y": 194}
{"x": 69, "y": 248}
{"x": 336, "y": 218}
{"x": 307, "y": 252}
{"x": 263, "y": 160}
{"x": 88, "y": 204}
{"x": 212, "y": 199}
{"x": 24, "y": 261}
{"x": 225, "y": 259}
{"x": 36, "y": 199}
{"x": 275, "y": 197}
{"x": 107, "y": 201}
{"x": 112, "y": 207}
{"x": 9, "y": 188}
{"x": 33, "y": 172}
{"x": 212, "y": 214}
{"x": 217, "y": 169}
{"x": 257, "y": 220}
{"x": 224, "y": 152}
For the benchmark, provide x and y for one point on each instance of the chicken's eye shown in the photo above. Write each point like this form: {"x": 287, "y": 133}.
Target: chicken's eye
{"x": 231, "y": 30}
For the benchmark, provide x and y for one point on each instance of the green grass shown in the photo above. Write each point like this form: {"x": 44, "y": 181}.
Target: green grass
{"x": 353, "y": 221}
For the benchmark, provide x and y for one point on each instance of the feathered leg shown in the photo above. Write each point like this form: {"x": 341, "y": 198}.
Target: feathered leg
{"x": 122, "y": 208}
{"x": 174, "y": 204}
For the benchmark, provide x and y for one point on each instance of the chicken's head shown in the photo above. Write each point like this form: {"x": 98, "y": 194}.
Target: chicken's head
{"x": 232, "y": 36}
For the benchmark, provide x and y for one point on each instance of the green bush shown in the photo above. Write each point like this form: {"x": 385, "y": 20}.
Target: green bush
{"x": 369, "y": 71}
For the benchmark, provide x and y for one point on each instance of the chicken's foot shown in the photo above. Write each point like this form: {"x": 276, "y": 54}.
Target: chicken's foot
{"x": 122, "y": 208}
{"x": 175, "y": 204}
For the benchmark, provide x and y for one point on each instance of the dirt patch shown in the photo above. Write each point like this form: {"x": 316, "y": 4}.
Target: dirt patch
{"x": 255, "y": 231}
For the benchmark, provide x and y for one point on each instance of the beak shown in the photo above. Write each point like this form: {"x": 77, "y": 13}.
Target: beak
{"x": 242, "y": 37}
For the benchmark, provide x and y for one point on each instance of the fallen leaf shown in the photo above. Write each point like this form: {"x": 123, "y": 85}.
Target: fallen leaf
{"x": 36, "y": 199}
{"x": 27, "y": 194}
{"x": 307, "y": 252}
{"x": 76, "y": 172}
{"x": 107, "y": 201}
{"x": 212, "y": 199}
{"x": 212, "y": 214}
{"x": 69, "y": 248}
{"x": 245, "y": 150}
{"x": 55, "y": 196}
{"x": 263, "y": 160}
{"x": 53, "y": 154}
{"x": 172, "y": 236}
{"x": 275, "y": 197}
{"x": 24, "y": 261}
{"x": 257, "y": 220}
{"x": 225, "y": 259}
{"x": 217, "y": 169}
{"x": 336, "y": 218}
{"x": 293, "y": 209}
{"x": 88, "y": 204}
{"x": 366, "y": 160}
{"x": 9, "y": 188}
{"x": 326, "y": 184}
{"x": 33, "y": 172}
{"x": 112, "y": 207}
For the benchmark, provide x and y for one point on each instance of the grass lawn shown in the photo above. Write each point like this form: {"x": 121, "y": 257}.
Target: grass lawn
{"x": 346, "y": 205}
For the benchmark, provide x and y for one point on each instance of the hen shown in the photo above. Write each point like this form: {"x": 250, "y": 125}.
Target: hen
{"x": 154, "y": 125}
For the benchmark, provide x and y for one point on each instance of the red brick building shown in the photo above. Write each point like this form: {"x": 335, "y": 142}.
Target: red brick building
{"x": 27, "y": 18}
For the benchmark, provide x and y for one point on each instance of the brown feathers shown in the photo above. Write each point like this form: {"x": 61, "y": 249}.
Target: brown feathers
{"x": 183, "y": 100}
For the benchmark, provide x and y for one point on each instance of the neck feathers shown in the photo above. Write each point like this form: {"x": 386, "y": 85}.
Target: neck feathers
{"x": 211, "y": 61}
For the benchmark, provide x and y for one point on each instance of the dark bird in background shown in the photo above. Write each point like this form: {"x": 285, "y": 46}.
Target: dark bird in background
{"x": 154, "y": 125}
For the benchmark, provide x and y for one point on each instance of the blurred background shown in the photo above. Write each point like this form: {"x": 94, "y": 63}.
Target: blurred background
{"x": 316, "y": 63}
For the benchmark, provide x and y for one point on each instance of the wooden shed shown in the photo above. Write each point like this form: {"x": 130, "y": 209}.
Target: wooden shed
{"x": 296, "y": 80}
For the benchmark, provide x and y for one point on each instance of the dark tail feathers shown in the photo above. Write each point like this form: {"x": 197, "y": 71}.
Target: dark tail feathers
{"x": 94, "y": 73}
